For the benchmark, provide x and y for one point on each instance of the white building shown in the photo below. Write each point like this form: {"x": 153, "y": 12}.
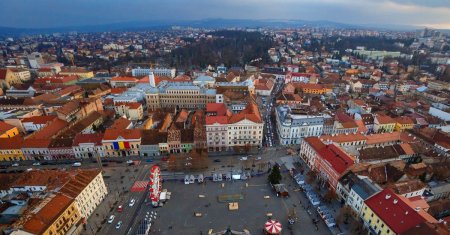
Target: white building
{"x": 359, "y": 192}
{"x": 167, "y": 72}
{"x": 294, "y": 125}
{"x": 88, "y": 189}
{"x": 88, "y": 145}
{"x": 309, "y": 149}
{"x": 227, "y": 131}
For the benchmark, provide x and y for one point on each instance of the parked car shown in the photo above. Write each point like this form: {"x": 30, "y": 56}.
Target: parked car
{"x": 120, "y": 208}
{"x": 36, "y": 164}
{"x": 15, "y": 164}
{"x": 130, "y": 162}
{"x": 216, "y": 160}
{"x": 165, "y": 159}
{"x": 132, "y": 201}
{"x": 111, "y": 219}
{"x": 76, "y": 164}
{"x": 119, "y": 224}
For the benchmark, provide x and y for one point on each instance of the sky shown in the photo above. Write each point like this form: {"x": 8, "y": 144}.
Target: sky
{"x": 57, "y": 13}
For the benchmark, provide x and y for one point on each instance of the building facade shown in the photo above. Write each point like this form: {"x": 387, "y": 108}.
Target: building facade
{"x": 294, "y": 125}
{"x": 179, "y": 95}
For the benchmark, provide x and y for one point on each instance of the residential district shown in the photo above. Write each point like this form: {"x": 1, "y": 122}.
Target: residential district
{"x": 100, "y": 134}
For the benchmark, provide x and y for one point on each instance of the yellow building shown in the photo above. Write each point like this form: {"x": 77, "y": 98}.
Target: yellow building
{"x": 10, "y": 149}
{"x": 8, "y": 78}
{"x": 56, "y": 215}
{"x": 88, "y": 189}
{"x": 7, "y": 130}
{"x": 384, "y": 124}
{"x": 80, "y": 72}
{"x": 403, "y": 123}
{"x": 387, "y": 213}
{"x": 121, "y": 142}
{"x": 309, "y": 88}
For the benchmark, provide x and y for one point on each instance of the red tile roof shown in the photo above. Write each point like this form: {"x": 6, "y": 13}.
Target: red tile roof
{"x": 315, "y": 143}
{"x": 95, "y": 138}
{"x": 210, "y": 120}
{"x": 36, "y": 143}
{"x": 220, "y": 109}
{"x": 3, "y": 73}
{"x": 113, "y": 134}
{"x": 118, "y": 90}
{"x": 383, "y": 138}
{"x": 123, "y": 79}
{"x": 337, "y": 158}
{"x": 343, "y": 138}
{"x": 131, "y": 105}
{"x": 384, "y": 119}
{"x": 39, "y": 119}
{"x": 39, "y": 222}
{"x": 121, "y": 123}
{"x": 15, "y": 142}
{"x": 251, "y": 112}
{"x": 394, "y": 211}
{"x": 50, "y": 130}
{"x": 404, "y": 120}
{"x": 70, "y": 90}
{"x": 4, "y": 127}
{"x": 308, "y": 86}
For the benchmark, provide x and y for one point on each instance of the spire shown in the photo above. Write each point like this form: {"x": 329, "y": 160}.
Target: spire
{"x": 151, "y": 78}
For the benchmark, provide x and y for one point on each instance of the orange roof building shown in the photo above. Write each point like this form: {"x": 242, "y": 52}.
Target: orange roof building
{"x": 57, "y": 216}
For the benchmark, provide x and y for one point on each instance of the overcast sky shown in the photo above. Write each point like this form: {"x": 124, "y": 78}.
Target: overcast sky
{"x": 54, "y": 13}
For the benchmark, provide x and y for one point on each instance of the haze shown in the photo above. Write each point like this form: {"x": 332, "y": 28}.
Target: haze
{"x": 56, "y": 13}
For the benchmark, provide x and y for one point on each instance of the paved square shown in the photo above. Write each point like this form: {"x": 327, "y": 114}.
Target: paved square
{"x": 178, "y": 215}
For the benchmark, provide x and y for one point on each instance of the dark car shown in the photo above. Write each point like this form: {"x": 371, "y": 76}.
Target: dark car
{"x": 217, "y": 160}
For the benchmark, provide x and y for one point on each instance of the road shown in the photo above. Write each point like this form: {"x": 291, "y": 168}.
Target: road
{"x": 128, "y": 215}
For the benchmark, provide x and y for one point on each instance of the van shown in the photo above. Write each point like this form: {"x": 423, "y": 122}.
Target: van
{"x": 200, "y": 178}
{"x": 111, "y": 219}
{"x": 76, "y": 164}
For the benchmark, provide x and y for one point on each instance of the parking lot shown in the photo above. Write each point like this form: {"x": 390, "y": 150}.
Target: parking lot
{"x": 177, "y": 216}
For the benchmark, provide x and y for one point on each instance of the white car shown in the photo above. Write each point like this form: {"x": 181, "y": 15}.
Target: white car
{"x": 111, "y": 219}
{"x": 132, "y": 202}
{"x": 243, "y": 159}
{"x": 15, "y": 164}
{"x": 36, "y": 164}
{"x": 258, "y": 158}
{"x": 76, "y": 164}
{"x": 119, "y": 224}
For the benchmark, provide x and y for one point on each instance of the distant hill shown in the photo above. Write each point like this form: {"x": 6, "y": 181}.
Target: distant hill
{"x": 206, "y": 23}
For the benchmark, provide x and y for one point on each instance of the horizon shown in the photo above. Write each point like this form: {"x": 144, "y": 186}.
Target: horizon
{"x": 412, "y": 13}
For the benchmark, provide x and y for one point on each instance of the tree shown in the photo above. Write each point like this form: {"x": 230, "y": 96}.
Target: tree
{"x": 344, "y": 214}
{"x": 357, "y": 227}
{"x": 275, "y": 175}
{"x": 310, "y": 176}
{"x": 330, "y": 196}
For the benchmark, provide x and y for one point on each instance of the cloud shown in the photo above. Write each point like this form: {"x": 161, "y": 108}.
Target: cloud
{"x": 52, "y": 13}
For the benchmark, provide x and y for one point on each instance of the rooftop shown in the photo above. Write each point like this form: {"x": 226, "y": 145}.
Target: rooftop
{"x": 395, "y": 211}
{"x": 40, "y": 221}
